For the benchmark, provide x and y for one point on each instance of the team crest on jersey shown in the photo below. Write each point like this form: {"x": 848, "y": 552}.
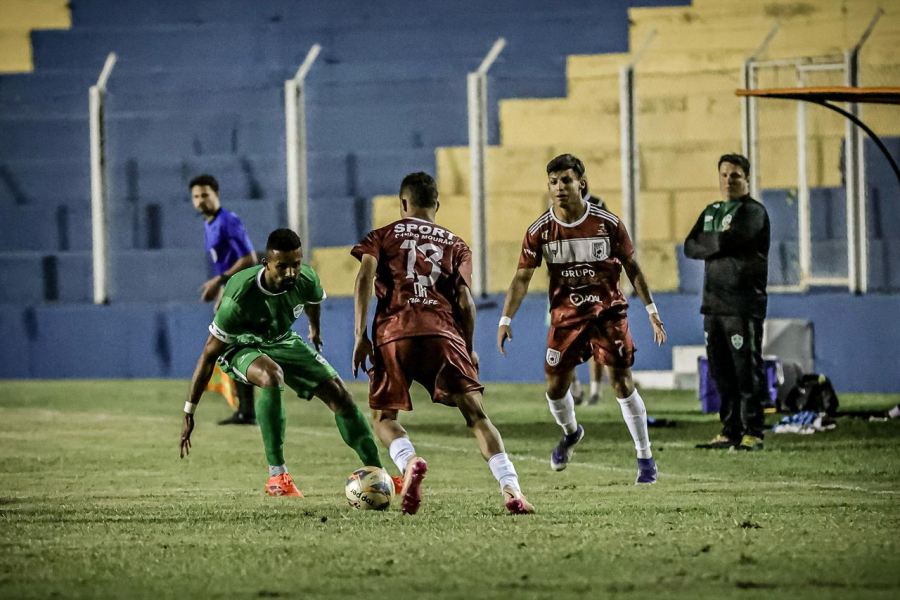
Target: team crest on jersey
{"x": 552, "y": 357}
{"x": 298, "y": 310}
{"x": 553, "y": 247}
{"x": 726, "y": 222}
{"x": 737, "y": 341}
{"x": 600, "y": 249}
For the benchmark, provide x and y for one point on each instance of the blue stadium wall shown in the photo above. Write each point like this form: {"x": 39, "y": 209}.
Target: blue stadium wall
{"x": 855, "y": 338}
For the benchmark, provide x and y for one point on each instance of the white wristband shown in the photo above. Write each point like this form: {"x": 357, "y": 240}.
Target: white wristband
{"x": 651, "y": 309}
{"x": 190, "y": 408}
{"x": 504, "y": 320}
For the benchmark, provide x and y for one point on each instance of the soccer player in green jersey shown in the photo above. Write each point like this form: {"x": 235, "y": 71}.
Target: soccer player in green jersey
{"x": 252, "y": 340}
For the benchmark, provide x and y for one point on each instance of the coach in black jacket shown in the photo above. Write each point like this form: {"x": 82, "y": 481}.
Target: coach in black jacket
{"x": 732, "y": 236}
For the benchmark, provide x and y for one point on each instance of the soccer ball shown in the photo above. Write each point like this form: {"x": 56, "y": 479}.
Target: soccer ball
{"x": 369, "y": 488}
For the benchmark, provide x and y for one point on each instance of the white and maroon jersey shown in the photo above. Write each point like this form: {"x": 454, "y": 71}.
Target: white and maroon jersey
{"x": 584, "y": 262}
{"x": 420, "y": 268}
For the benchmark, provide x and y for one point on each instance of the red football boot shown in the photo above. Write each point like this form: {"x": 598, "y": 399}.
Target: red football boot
{"x": 412, "y": 486}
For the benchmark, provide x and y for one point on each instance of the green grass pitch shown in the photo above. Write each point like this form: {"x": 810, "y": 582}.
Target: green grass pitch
{"x": 95, "y": 503}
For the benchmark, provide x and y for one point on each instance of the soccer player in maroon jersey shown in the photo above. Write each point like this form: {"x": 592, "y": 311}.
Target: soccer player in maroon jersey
{"x": 422, "y": 331}
{"x": 585, "y": 248}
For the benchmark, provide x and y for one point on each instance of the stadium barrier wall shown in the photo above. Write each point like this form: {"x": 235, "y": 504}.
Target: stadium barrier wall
{"x": 855, "y": 338}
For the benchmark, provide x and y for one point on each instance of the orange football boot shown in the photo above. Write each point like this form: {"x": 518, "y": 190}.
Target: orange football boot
{"x": 282, "y": 485}
{"x": 398, "y": 484}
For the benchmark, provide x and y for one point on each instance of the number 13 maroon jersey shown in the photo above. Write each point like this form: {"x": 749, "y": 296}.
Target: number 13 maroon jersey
{"x": 583, "y": 259}
{"x": 420, "y": 266}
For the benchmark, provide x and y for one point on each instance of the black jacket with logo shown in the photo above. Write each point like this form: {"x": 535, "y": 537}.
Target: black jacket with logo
{"x": 733, "y": 238}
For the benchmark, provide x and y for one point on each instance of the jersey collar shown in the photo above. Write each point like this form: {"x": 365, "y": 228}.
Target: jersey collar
{"x": 259, "y": 284}
{"x": 587, "y": 211}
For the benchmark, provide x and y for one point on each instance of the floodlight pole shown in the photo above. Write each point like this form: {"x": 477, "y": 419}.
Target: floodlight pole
{"x": 477, "y": 89}
{"x": 629, "y": 149}
{"x": 295, "y": 136}
{"x": 100, "y": 184}
{"x": 749, "y": 123}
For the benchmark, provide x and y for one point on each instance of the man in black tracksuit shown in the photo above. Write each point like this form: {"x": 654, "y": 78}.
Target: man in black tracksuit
{"x": 732, "y": 236}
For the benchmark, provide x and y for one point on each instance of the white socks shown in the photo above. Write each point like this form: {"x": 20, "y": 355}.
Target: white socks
{"x": 401, "y": 451}
{"x": 273, "y": 471}
{"x": 595, "y": 388}
{"x": 894, "y": 413}
{"x": 563, "y": 410}
{"x": 635, "y": 416}
{"x": 504, "y": 471}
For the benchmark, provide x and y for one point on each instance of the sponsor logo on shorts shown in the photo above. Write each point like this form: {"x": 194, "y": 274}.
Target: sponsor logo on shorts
{"x": 578, "y": 299}
{"x": 552, "y": 357}
{"x": 298, "y": 310}
{"x": 321, "y": 359}
{"x": 737, "y": 341}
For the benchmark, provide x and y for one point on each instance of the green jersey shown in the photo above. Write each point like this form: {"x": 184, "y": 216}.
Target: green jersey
{"x": 718, "y": 215}
{"x": 250, "y": 314}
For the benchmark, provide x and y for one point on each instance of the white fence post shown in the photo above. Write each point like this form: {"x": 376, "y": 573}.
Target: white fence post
{"x": 295, "y": 136}
{"x": 478, "y": 123}
{"x": 100, "y": 185}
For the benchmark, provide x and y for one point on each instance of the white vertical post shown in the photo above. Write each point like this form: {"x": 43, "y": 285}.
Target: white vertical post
{"x": 749, "y": 127}
{"x": 100, "y": 185}
{"x": 295, "y": 137}
{"x": 857, "y": 234}
{"x": 803, "y": 208}
{"x": 477, "y": 88}
{"x": 628, "y": 151}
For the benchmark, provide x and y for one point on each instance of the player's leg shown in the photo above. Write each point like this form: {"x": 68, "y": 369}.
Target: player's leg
{"x": 596, "y": 381}
{"x": 491, "y": 446}
{"x": 246, "y": 411}
{"x": 634, "y": 412}
{"x": 309, "y": 374}
{"x": 721, "y": 368}
{"x": 262, "y": 371}
{"x": 613, "y": 346}
{"x": 577, "y": 390}
{"x": 565, "y": 350}
{"x": 388, "y": 394}
{"x": 403, "y": 453}
{"x": 751, "y": 380}
{"x": 351, "y": 423}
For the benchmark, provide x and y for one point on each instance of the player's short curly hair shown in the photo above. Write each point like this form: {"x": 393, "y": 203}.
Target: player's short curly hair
{"x": 421, "y": 188}
{"x": 283, "y": 240}
{"x": 564, "y": 162}
{"x": 205, "y": 180}
{"x": 738, "y": 160}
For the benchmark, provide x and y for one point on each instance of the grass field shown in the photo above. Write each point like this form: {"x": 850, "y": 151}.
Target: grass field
{"x": 95, "y": 503}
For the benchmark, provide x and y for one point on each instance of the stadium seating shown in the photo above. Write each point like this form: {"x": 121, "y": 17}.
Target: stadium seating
{"x": 199, "y": 88}
{"x": 688, "y": 116}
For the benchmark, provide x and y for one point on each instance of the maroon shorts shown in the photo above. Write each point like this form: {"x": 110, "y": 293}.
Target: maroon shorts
{"x": 442, "y": 365}
{"x": 606, "y": 338}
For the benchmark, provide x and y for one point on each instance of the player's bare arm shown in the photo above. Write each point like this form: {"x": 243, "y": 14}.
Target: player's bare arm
{"x": 202, "y": 372}
{"x": 639, "y": 283}
{"x": 313, "y": 315}
{"x": 210, "y": 289}
{"x": 362, "y": 294}
{"x": 517, "y": 290}
{"x": 465, "y": 311}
